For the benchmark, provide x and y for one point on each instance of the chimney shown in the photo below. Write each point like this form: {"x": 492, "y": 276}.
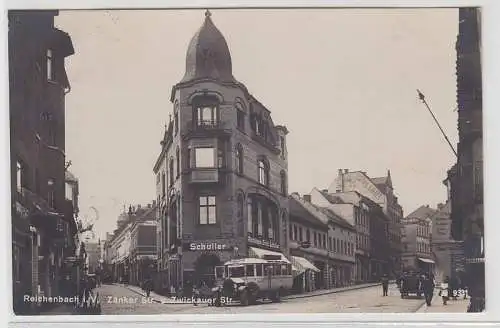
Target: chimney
{"x": 340, "y": 172}
{"x": 307, "y": 198}
{"x": 149, "y": 205}
{"x": 346, "y": 171}
{"x": 154, "y": 202}
{"x": 325, "y": 191}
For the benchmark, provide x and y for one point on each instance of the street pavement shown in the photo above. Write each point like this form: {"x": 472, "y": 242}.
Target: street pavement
{"x": 116, "y": 299}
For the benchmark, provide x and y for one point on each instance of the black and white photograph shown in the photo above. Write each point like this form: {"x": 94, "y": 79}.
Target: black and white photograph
{"x": 246, "y": 161}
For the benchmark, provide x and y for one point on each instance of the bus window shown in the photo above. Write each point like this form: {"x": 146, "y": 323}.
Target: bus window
{"x": 277, "y": 269}
{"x": 249, "y": 270}
{"x": 258, "y": 270}
{"x": 219, "y": 272}
{"x": 237, "y": 272}
{"x": 289, "y": 269}
{"x": 226, "y": 271}
{"x": 268, "y": 269}
{"x": 284, "y": 270}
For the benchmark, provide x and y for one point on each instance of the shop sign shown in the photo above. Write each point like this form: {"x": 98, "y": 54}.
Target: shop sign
{"x": 22, "y": 211}
{"x": 206, "y": 246}
{"x": 262, "y": 242}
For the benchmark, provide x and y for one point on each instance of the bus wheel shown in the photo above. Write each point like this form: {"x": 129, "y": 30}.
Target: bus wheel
{"x": 244, "y": 298}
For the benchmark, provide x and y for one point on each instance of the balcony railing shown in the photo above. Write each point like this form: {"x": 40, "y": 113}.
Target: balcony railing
{"x": 263, "y": 242}
{"x": 204, "y": 127}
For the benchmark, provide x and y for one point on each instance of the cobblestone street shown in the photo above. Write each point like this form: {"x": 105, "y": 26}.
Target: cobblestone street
{"x": 125, "y": 300}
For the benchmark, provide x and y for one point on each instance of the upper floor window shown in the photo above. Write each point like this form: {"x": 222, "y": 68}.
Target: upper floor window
{"x": 176, "y": 122}
{"x": 178, "y": 161}
{"x": 206, "y": 115}
{"x": 158, "y": 178}
{"x": 263, "y": 172}
{"x": 204, "y": 157}
{"x": 50, "y": 66}
{"x": 239, "y": 159}
{"x": 240, "y": 205}
{"x": 282, "y": 146}
{"x": 163, "y": 184}
{"x": 315, "y": 239}
{"x": 208, "y": 212}
{"x": 283, "y": 182}
{"x": 171, "y": 171}
{"x": 240, "y": 116}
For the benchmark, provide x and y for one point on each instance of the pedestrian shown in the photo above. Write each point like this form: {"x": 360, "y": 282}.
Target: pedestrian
{"x": 444, "y": 290}
{"x": 428, "y": 287}
{"x": 196, "y": 295}
{"x": 385, "y": 285}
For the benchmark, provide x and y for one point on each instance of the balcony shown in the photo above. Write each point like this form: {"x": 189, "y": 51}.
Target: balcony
{"x": 206, "y": 128}
{"x": 204, "y": 175}
{"x": 261, "y": 241}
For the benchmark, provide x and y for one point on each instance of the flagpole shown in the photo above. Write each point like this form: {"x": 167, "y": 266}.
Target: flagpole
{"x": 422, "y": 98}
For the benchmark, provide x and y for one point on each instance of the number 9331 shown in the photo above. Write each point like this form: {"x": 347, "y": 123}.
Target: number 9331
{"x": 459, "y": 292}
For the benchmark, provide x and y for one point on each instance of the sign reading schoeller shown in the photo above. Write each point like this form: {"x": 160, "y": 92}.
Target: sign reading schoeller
{"x": 206, "y": 246}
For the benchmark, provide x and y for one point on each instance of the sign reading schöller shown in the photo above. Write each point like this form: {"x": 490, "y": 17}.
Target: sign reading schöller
{"x": 206, "y": 246}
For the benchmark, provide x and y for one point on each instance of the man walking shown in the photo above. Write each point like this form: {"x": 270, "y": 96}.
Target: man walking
{"x": 385, "y": 284}
{"x": 428, "y": 288}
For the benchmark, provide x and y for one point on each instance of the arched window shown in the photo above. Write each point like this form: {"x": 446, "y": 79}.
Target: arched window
{"x": 263, "y": 172}
{"x": 178, "y": 161}
{"x": 239, "y": 159}
{"x": 171, "y": 171}
{"x": 283, "y": 182}
{"x": 240, "y": 205}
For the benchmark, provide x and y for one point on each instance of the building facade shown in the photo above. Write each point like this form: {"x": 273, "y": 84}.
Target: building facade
{"x": 381, "y": 191}
{"x": 466, "y": 179}
{"x": 222, "y": 171}
{"x": 448, "y": 253}
{"x": 41, "y": 221}
{"x": 417, "y": 252}
{"x": 322, "y": 238}
{"x": 129, "y": 254}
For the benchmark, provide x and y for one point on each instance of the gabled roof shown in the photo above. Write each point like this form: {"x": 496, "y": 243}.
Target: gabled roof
{"x": 423, "y": 212}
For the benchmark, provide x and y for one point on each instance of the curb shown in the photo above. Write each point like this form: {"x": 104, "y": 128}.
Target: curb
{"x": 332, "y": 291}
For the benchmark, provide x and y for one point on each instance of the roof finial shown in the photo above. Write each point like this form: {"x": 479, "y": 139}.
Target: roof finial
{"x": 208, "y": 13}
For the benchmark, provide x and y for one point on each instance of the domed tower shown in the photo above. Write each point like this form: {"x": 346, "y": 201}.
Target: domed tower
{"x": 208, "y": 55}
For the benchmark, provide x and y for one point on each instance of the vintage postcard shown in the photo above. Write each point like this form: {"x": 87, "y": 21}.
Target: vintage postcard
{"x": 230, "y": 161}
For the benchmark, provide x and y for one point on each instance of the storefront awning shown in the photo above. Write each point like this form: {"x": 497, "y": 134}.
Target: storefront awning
{"x": 300, "y": 265}
{"x": 426, "y": 260}
{"x": 263, "y": 253}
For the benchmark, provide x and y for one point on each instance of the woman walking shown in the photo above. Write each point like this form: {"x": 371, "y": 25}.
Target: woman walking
{"x": 444, "y": 290}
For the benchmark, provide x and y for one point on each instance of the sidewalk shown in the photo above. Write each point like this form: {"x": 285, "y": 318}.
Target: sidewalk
{"x": 169, "y": 300}
{"x": 330, "y": 291}
{"x": 458, "y": 306}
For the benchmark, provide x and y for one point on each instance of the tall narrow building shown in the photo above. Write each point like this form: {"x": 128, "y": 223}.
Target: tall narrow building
{"x": 41, "y": 221}
{"x": 466, "y": 179}
{"x": 222, "y": 171}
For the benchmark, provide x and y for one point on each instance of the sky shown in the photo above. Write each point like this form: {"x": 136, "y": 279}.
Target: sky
{"x": 343, "y": 81}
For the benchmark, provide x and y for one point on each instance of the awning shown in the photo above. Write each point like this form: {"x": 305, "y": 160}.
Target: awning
{"x": 300, "y": 265}
{"x": 263, "y": 253}
{"x": 426, "y": 260}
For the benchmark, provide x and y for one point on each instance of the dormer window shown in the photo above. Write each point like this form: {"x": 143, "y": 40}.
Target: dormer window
{"x": 206, "y": 115}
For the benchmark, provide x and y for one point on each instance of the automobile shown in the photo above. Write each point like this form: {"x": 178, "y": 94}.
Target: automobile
{"x": 411, "y": 283}
{"x": 249, "y": 279}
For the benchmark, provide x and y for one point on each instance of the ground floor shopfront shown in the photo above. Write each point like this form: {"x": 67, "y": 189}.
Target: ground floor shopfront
{"x": 38, "y": 251}
{"x": 363, "y": 266}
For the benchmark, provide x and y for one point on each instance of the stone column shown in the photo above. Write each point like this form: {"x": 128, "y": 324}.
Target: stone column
{"x": 271, "y": 223}
{"x": 249, "y": 217}
{"x": 259, "y": 218}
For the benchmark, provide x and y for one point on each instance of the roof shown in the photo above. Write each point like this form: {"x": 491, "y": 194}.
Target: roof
{"x": 299, "y": 211}
{"x": 208, "y": 55}
{"x": 423, "y": 212}
{"x": 337, "y": 219}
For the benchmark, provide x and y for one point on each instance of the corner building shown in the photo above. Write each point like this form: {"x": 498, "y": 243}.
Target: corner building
{"x": 222, "y": 172}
